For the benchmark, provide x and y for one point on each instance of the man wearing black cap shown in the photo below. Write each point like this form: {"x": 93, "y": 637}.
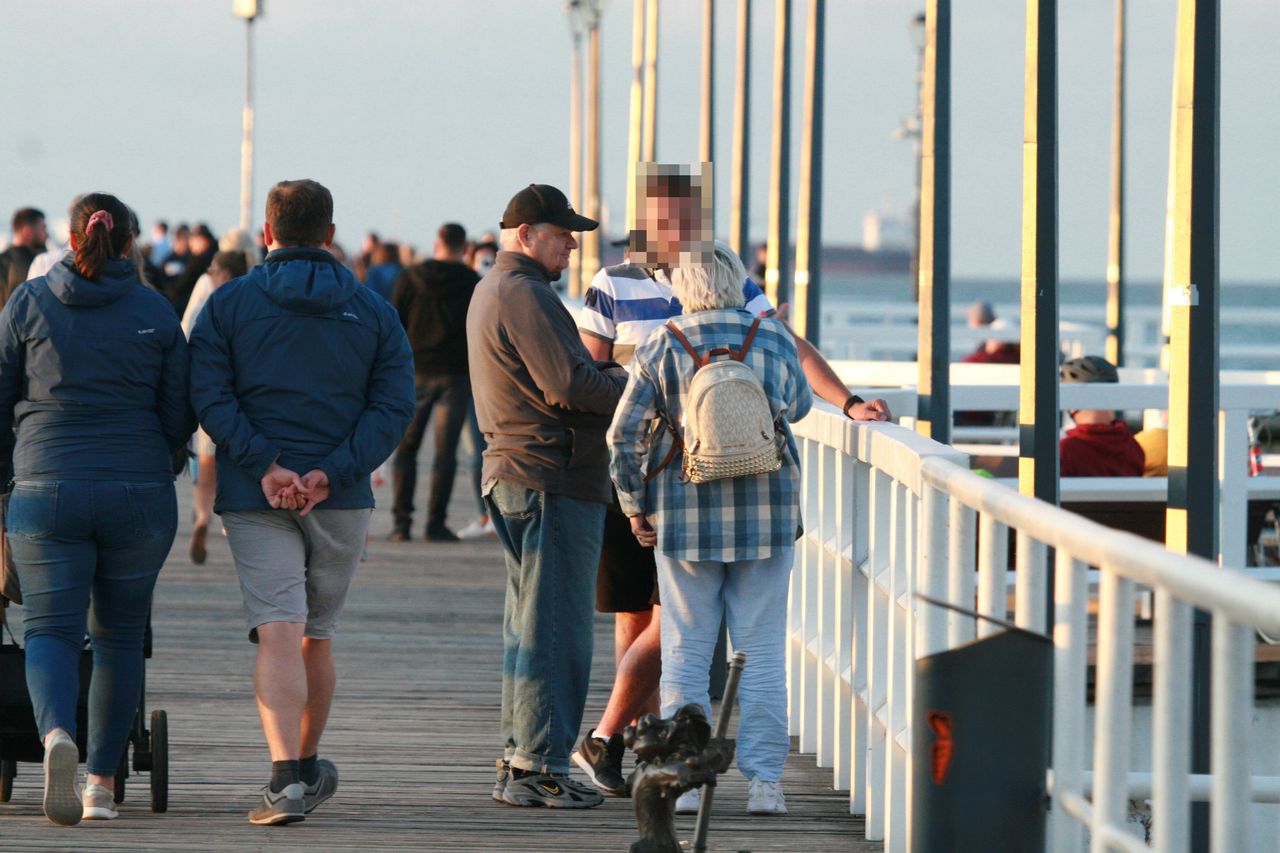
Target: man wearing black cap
{"x": 544, "y": 406}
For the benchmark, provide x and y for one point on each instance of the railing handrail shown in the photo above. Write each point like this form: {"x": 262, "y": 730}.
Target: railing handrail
{"x": 1193, "y": 579}
{"x": 889, "y": 514}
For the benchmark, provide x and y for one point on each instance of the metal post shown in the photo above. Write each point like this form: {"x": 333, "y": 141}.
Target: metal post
{"x": 739, "y": 214}
{"x": 1192, "y": 523}
{"x": 706, "y": 129}
{"x": 575, "y": 149}
{"x": 650, "y": 124}
{"x": 1038, "y": 416}
{"x": 591, "y": 204}
{"x": 246, "y": 143}
{"x": 807, "y": 312}
{"x": 934, "y": 237}
{"x": 776, "y": 277}
{"x": 1115, "y": 235}
{"x": 1168, "y": 207}
{"x": 635, "y": 127}
{"x": 912, "y": 129}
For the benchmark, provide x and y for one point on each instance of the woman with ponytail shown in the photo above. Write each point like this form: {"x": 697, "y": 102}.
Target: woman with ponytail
{"x": 93, "y": 398}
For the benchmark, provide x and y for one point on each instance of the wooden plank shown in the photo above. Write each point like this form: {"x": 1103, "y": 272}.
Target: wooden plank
{"x": 414, "y": 729}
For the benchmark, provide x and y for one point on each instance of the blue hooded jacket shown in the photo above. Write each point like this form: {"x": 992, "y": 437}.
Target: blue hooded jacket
{"x": 93, "y": 378}
{"x": 296, "y": 363}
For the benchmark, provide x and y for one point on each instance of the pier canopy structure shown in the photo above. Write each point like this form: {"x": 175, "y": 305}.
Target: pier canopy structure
{"x": 1162, "y": 713}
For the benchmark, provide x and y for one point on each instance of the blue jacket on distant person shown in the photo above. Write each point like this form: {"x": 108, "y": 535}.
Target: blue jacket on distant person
{"x": 297, "y": 363}
{"x": 93, "y": 379}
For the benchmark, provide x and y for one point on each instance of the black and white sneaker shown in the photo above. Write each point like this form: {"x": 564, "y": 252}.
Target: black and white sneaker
{"x": 284, "y": 806}
{"x": 601, "y": 760}
{"x": 550, "y": 790}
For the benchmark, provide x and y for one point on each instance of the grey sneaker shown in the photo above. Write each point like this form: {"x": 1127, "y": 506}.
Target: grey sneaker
{"x": 61, "y": 764}
{"x": 280, "y": 808}
{"x": 504, "y": 773}
{"x": 550, "y": 790}
{"x": 326, "y": 785}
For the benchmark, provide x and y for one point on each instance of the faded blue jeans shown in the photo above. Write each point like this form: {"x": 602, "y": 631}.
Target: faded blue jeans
{"x": 552, "y": 545}
{"x": 89, "y": 551}
{"x": 752, "y": 597}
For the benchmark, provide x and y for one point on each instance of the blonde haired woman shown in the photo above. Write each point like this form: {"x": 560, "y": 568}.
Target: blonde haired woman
{"x": 724, "y": 547}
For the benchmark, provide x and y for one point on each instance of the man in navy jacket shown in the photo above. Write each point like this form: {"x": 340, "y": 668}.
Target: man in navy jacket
{"x": 304, "y": 381}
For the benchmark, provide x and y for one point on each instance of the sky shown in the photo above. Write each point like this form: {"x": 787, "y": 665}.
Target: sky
{"x": 416, "y": 112}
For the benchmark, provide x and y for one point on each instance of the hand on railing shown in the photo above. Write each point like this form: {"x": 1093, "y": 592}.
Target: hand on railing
{"x": 871, "y": 410}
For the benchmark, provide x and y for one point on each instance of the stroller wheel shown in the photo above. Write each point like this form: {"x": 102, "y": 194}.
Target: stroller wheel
{"x": 159, "y": 762}
{"x": 8, "y": 770}
{"x": 122, "y": 773}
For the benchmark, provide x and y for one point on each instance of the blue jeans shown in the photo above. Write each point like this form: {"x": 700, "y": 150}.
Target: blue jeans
{"x": 89, "y": 551}
{"x": 450, "y": 397}
{"x": 752, "y": 597}
{"x": 474, "y": 444}
{"x": 552, "y": 545}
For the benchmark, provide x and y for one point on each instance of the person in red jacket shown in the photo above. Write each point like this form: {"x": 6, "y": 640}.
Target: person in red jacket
{"x": 1100, "y": 444}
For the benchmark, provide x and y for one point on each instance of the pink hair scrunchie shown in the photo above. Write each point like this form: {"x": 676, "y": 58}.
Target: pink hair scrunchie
{"x": 100, "y": 216}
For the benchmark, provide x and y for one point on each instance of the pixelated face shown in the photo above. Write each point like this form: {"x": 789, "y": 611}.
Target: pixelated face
{"x": 673, "y": 215}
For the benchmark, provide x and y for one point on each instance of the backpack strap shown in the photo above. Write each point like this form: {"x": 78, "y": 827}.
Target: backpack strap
{"x": 746, "y": 346}
{"x": 684, "y": 342}
{"x": 677, "y": 446}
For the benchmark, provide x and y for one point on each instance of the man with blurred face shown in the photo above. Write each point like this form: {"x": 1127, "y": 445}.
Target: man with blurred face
{"x": 544, "y": 406}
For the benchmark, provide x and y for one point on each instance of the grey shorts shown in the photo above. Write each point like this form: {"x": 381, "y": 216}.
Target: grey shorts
{"x": 296, "y": 569}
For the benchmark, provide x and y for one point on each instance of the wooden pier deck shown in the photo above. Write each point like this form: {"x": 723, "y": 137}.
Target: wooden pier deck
{"x": 414, "y": 729}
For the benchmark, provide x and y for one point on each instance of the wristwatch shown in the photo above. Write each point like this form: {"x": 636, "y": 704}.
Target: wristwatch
{"x": 853, "y": 400}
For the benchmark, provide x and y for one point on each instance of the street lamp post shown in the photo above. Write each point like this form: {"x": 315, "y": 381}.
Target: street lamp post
{"x": 577, "y": 23}
{"x": 250, "y": 10}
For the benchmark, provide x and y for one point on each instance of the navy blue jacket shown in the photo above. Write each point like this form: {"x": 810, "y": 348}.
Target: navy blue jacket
{"x": 296, "y": 363}
{"x": 93, "y": 378}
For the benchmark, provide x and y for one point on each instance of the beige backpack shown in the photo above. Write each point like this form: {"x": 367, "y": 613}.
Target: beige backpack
{"x": 729, "y": 430}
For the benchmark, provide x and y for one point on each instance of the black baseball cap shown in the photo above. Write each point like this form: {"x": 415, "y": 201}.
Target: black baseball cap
{"x": 544, "y": 203}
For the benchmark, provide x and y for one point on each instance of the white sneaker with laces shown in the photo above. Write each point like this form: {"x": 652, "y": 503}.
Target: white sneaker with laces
{"x": 689, "y": 801}
{"x": 99, "y": 803}
{"x": 476, "y": 530}
{"x": 765, "y": 797}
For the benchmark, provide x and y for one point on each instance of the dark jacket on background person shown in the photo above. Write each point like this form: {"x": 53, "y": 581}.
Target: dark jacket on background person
{"x": 381, "y": 279}
{"x": 93, "y": 377}
{"x": 297, "y": 363}
{"x": 543, "y": 403}
{"x": 432, "y": 299}
{"x": 179, "y": 288}
{"x": 15, "y": 262}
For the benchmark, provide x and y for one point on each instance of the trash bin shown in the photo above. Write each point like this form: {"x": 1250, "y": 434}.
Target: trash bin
{"x": 980, "y": 746}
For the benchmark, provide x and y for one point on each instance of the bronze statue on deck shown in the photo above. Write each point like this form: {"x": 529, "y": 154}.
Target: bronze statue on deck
{"x": 678, "y": 754}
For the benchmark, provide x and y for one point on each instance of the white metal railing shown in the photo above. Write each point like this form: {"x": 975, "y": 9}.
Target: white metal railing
{"x": 888, "y": 514}
{"x": 983, "y": 387}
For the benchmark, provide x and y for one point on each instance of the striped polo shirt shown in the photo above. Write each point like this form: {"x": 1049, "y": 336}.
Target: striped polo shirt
{"x": 626, "y": 302}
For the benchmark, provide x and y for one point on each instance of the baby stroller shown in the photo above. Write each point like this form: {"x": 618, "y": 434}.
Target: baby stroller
{"x": 19, "y": 740}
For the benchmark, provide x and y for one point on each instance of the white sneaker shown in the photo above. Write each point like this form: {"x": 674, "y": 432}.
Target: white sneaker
{"x": 476, "y": 530}
{"x": 765, "y": 797}
{"x": 689, "y": 801}
{"x": 61, "y": 765}
{"x": 99, "y": 803}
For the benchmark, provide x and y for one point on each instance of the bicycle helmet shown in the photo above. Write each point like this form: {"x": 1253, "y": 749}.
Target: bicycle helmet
{"x": 1090, "y": 368}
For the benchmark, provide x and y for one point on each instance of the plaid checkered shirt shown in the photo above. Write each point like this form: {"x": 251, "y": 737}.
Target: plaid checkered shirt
{"x": 741, "y": 518}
